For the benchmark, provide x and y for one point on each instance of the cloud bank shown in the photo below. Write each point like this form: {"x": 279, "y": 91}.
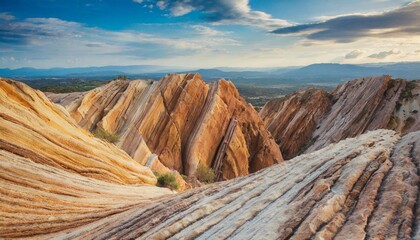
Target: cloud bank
{"x": 223, "y": 11}
{"x": 43, "y": 39}
{"x": 354, "y": 54}
{"x": 403, "y": 21}
{"x": 384, "y": 54}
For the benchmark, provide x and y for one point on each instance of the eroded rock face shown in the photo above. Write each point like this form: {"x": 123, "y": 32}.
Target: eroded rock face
{"x": 352, "y": 109}
{"x": 293, "y": 119}
{"x": 365, "y": 187}
{"x": 34, "y": 128}
{"x": 184, "y": 120}
{"x": 53, "y": 174}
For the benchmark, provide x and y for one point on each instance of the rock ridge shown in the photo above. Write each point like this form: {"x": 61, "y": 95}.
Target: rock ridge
{"x": 183, "y": 120}
{"x": 349, "y": 110}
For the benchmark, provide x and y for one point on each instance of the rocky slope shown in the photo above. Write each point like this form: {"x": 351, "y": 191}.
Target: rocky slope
{"x": 183, "y": 120}
{"x": 293, "y": 119}
{"x": 58, "y": 181}
{"x": 53, "y": 174}
{"x": 312, "y": 119}
{"x": 365, "y": 187}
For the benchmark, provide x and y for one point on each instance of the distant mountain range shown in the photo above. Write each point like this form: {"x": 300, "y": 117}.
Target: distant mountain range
{"x": 343, "y": 72}
{"x": 323, "y": 72}
{"x": 84, "y": 71}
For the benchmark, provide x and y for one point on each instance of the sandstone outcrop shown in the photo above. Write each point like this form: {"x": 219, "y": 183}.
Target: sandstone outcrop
{"x": 53, "y": 174}
{"x": 34, "y": 128}
{"x": 58, "y": 181}
{"x": 183, "y": 120}
{"x": 350, "y": 110}
{"x": 365, "y": 187}
{"x": 292, "y": 119}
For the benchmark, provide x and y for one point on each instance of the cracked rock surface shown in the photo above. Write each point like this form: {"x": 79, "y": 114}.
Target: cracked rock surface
{"x": 365, "y": 187}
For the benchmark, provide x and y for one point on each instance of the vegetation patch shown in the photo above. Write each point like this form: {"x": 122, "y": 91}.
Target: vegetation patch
{"x": 121, "y": 77}
{"x": 73, "y": 86}
{"x": 167, "y": 180}
{"x": 205, "y": 174}
{"x": 407, "y": 94}
{"x": 105, "y": 135}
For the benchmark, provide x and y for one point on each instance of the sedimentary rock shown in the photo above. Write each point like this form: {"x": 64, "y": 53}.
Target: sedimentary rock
{"x": 292, "y": 119}
{"x": 34, "y": 128}
{"x": 183, "y": 120}
{"x": 365, "y": 187}
{"x": 58, "y": 181}
{"x": 53, "y": 174}
{"x": 356, "y": 107}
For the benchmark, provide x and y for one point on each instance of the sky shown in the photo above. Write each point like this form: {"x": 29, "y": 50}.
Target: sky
{"x": 207, "y": 34}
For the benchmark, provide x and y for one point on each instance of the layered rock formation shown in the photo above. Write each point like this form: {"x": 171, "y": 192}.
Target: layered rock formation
{"x": 293, "y": 119}
{"x": 183, "y": 120}
{"x": 352, "y": 109}
{"x": 53, "y": 174}
{"x": 58, "y": 181}
{"x": 365, "y": 187}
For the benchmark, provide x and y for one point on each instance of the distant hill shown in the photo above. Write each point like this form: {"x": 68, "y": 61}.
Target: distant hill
{"x": 321, "y": 73}
{"x": 342, "y": 72}
{"x": 84, "y": 71}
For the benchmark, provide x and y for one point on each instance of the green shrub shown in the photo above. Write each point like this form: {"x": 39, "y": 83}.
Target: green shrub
{"x": 205, "y": 174}
{"x": 121, "y": 77}
{"x": 105, "y": 135}
{"x": 167, "y": 180}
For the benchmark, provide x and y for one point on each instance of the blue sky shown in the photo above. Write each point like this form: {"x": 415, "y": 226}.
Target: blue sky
{"x": 201, "y": 33}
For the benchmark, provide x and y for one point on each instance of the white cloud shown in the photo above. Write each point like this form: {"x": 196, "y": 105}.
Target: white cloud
{"x": 384, "y": 54}
{"x": 207, "y": 31}
{"x": 6, "y": 16}
{"x": 223, "y": 12}
{"x": 354, "y": 54}
{"x": 54, "y": 41}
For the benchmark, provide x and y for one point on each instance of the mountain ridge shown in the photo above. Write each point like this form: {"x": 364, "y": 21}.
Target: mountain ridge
{"x": 330, "y": 72}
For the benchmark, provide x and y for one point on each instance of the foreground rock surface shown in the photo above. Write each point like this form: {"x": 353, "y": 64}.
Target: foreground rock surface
{"x": 365, "y": 187}
{"x": 312, "y": 119}
{"x": 183, "y": 120}
{"x": 53, "y": 174}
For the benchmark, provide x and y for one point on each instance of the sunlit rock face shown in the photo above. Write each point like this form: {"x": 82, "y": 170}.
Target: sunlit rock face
{"x": 54, "y": 175}
{"x": 58, "y": 181}
{"x": 351, "y": 109}
{"x": 364, "y": 187}
{"x": 182, "y": 119}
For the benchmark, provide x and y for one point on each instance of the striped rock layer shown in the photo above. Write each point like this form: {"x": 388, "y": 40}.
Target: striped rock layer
{"x": 183, "y": 120}
{"x": 311, "y": 119}
{"x": 54, "y": 175}
{"x": 292, "y": 120}
{"x": 359, "y": 188}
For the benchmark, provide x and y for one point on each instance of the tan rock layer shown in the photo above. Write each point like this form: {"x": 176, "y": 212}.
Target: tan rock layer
{"x": 365, "y": 187}
{"x": 182, "y": 119}
{"x": 54, "y": 175}
{"x": 32, "y": 127}
{"x": 312, "y": 119}
{"x": 39, "y": 198}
